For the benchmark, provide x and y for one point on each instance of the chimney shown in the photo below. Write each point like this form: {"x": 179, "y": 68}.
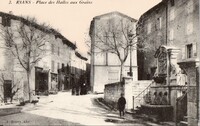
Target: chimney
{"x": 10, "y": 12}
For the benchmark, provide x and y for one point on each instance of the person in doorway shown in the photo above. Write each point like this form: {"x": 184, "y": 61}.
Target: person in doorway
{"x": 54, "y": 85}
{"x": 121, "y": 105}
{"x": 83, "y": 89}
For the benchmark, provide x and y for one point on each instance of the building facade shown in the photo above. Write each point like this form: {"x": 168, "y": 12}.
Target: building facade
{"x": 78, "y": 71}
{"x": 151, "y": 28}
{"x": 53, "y": 71}
{"x": 172, "y": 27}
{"x": 105, "y": 66}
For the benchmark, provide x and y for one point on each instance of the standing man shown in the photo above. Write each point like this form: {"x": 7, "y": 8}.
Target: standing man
{"x": 121, "y": 104}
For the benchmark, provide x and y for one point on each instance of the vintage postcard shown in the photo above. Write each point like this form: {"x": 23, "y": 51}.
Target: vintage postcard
{"x": 99, "y": 62}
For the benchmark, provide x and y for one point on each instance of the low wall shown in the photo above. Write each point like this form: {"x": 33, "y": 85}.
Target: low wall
{"x": 173, "y": 92}
{"x": 160, "y": 112}
{"x": 9, "y": 110}
{"x": 130, "y": 89}
{"x": 137, "y": 88}
{"x": 112, "y": 93}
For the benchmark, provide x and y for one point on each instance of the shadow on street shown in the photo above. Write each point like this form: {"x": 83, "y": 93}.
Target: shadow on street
{"x": 32, "y": 119}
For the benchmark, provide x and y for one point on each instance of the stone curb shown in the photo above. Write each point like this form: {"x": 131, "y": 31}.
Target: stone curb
{"x": 105, "y": 106}
{"x": 10, "y": 110}
{"x": 130, "y": 112}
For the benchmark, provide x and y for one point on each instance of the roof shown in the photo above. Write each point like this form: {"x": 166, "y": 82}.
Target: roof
{"x": 80, "y": 56}
{"x": 153, "y": 9}
{"x": 108, "y": 14}
{"x": 65, "y": 40}
{"x": 39, "y": 27}
{"x": 113, "y": 13}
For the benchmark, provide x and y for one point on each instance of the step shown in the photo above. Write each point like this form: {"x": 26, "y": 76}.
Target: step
{"x": 137, "y": 111}
{"x": 130, "y": 112}
{"x": 183, "y": 123}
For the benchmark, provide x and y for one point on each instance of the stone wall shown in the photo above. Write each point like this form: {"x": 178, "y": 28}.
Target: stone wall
{"x": 130, "y": 89}
{"x": 173, "y": 92}
{"x": 112, "y": 93}
{"x": 137, "y": 88}
{"x": 152, "y": 33}
{"x": 111, "y": 74}
{"x": 179, "y": 28}
{"x": 192, "y": 70}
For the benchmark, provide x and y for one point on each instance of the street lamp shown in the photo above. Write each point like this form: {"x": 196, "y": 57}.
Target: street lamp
{"x": 130, "y": 37}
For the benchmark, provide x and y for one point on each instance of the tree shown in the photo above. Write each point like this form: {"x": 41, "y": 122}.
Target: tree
{"x": 26, "y": 42}
{"x": 115, "y": 36}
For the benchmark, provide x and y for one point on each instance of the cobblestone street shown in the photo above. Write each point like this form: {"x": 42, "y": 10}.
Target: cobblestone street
{"x": 64, "y": 109}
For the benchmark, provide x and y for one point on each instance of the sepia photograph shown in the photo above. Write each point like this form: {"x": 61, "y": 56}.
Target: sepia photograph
{"x": 99, "y": 63}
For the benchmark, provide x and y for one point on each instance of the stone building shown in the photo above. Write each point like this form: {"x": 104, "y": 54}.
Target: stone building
{"x": 55, "y": 65}
{"x": 88, "y": 70}
{"x": 77, "y": 71}
{"x": 172, "y": 27}
{"x": 105, "y": 66}
{"x": 152, "y": 30}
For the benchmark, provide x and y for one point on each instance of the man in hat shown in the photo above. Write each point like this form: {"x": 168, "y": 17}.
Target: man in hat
{"x": 121, "y": 104}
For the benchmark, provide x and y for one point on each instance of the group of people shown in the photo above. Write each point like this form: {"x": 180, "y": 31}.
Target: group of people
{"x": 79, "y": 90}
{"x": 54, "y": 86}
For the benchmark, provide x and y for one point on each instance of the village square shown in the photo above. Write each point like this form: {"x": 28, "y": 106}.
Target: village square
{"x": 140, "y": 72}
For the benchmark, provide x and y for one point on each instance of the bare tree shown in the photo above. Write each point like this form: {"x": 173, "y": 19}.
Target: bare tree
{"x": 26, "y": 42}
{"x": 116, "y": 37}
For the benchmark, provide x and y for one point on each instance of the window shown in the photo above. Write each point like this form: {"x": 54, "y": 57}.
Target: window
{"x": 113, "y": 76}
{"x": 58, "y": 66}
{"x": 63, "y": 67}
{"x": 149, "y": 28}
{"x": 172, "y": 15}
{"x": 160, "y": 22}
{"x": 189, "y": 51}
{"x": 56, "y": 36}
{"x": 190, "y": 6}
{"x": 52, "y": 48}
{"x": 189, "y": 28}
{"x": 7, "y": 88}
{"x": 171, "y": 35}
{"x": 58, "y": 51}
{"x": 6, "y": 21}
{"x": 172, "y": 2}
{"x": 101, "y": 58}
{"x": 52, "y": 66}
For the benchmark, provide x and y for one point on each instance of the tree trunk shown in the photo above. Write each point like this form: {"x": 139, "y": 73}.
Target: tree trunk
{"x": 29, "y": 71}
{"x": 121, "y": 71}
{"x": 29, "y": 87}
{"x": 11, "y": 98}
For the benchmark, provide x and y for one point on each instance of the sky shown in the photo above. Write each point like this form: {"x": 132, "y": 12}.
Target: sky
{"x": 73, "y": 20}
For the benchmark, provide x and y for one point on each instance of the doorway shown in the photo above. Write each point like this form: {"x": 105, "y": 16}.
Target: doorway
{"x": 41, "y": 81}
{"x": 7, "y": 89}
